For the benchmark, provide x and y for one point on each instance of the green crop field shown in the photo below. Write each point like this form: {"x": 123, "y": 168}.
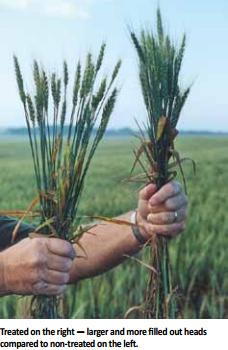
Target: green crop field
{"x": 199, "y": 255}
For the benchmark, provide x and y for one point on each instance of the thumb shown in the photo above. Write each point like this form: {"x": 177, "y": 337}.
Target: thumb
{"x": 147, "y": 192}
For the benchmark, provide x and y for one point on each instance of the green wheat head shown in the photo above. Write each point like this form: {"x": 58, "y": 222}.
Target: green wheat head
{"x": 61, "y": 162}
{"x": 62, "y": 153}
{"x": 160, "y": 62}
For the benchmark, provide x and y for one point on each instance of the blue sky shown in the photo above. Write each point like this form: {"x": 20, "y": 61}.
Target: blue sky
{"x": 52, "y": 30}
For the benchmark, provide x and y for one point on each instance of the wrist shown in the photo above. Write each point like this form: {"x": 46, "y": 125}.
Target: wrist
{"x": 137, "y": 228}
{"x": 141, "y": 225}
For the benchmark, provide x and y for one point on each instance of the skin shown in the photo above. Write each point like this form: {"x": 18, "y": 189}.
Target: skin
{"x": 36, "y": 266}
{"x": 45, "y": 266}
{"x": 108, "y": 245}
{"x": 156, "y": 210}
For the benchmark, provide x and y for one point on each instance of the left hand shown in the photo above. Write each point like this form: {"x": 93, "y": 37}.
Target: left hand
{"x": 163, "y": 212}
{"x": 36, "y": 266}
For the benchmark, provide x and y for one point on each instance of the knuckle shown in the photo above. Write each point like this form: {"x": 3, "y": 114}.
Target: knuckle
{"x": 170, "y": 217}
{"x": 35, "y": 288}
{"x": 68, "y": 264}
{"x": 40, "y": 273}
{"x": 142, "y": 193}
{"x": 60, "y": 290}
{"x": 60, "y": 278}
{"x": 54, "y": 244}
{"x": 36, "y": 260}
{"x": 167, "y": 218}
{"x": 35, "y": 276}
{"x": 38, "y": 247}
{"x": 158, "y": 219}
{"x": 66, "y": 247}
{"x": 161, "y": 218}
{"x": 166, "y": 229}
{"x": 150, "y": 217}
{"x": 38, "y": 243}
{"x": 170, "y": 204}
{"x": 66, "y": 278}
{"x": 63, "y": 278}
{"x": 51, "y": 243}
{"x": 163, "y": 230}
{"x": 32, "y": 278}
{"x": 149, "y": 229}
{"x": 170, "y": 187}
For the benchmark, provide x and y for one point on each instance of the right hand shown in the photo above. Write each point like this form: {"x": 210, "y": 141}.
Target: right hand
{"x": 157, "y": 209}
{"x": 36, "y": 266}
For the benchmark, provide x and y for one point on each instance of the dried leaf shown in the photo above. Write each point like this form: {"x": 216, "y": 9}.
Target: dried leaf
{"x": 47, "y": 222}
{"x": 182, "y": 160}
{"x": 151, "y": 268}
{"x": 161, "y": 127}
{"x": 111, "y": 220}
{"x": 19, "y": 213}
{"x": 30, "y": 207}
{"x": 133, "y": 309}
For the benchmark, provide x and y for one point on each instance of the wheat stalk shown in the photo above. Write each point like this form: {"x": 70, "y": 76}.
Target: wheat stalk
{"x": 61, "y": 161}
{"x": 160, "y": 62}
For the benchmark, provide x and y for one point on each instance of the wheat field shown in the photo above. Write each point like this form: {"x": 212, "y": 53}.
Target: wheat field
{"x": 199, "y": 255}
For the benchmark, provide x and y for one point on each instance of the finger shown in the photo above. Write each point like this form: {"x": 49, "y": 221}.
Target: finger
{"x": 166, "y": 218}
{"x": 56, "y": 277}
{"x": 61, "y": 247}
{"x": 165, "y": 230}
{"x": 43, "y": 288}
{"x": 147, "y": 192}
{"x": 157, "y": 209}
{"x": 176, "y": 202}
{"x": 167, "y": 191}
{"x": 170, "y": 206}
{"x": 55, "y": 289}
{"x": 59, "y": 263}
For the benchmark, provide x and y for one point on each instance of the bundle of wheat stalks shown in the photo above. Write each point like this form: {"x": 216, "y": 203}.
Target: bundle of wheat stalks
{"x": 62, "y": 155}
{"x": 160, "y": 63}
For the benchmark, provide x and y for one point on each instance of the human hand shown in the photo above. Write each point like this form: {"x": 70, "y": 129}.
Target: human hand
{"x": 163, "y": 212}
{"x": 36, "y": 266}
